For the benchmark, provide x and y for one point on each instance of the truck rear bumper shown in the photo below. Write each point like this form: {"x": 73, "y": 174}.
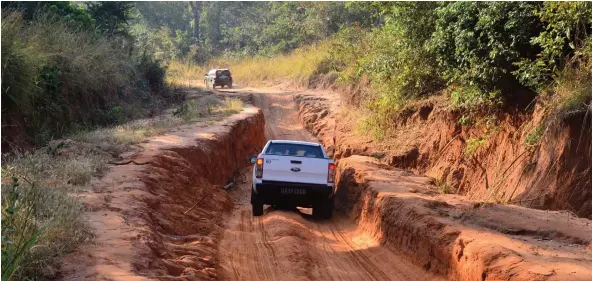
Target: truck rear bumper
{"x": 296, "y": 194}
{"x": 222, "y": 80}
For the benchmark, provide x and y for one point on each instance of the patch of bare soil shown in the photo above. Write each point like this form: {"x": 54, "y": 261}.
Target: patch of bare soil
{"x": 159, "y": 216}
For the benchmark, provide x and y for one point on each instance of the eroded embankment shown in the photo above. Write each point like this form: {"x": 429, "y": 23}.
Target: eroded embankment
{"x": 510, "y": 158}
{"x": 448, "y": 234}
{"x": 459, "y": 238}
{"x": 160, "y": 216}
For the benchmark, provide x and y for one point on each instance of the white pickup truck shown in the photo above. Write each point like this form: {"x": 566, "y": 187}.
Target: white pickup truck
{"x": 293, "y": 173}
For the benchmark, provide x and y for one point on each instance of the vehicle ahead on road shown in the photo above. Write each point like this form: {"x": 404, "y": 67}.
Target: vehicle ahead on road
{"x": 293, "y": 173}
{"x": 218, "y": 77}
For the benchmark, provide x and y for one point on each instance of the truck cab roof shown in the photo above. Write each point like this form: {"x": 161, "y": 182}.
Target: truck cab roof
{"x": 295, "y": 142}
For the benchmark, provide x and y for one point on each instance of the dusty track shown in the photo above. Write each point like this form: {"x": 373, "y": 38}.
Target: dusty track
{"x": 290, "y": 245}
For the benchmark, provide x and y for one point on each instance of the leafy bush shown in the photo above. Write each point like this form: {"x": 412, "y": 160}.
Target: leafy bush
{"x": 471, "y": 98}
{"x": 478, "y": 43}
{"x": 567, "y": 26}
{"x": 153, "y": 72}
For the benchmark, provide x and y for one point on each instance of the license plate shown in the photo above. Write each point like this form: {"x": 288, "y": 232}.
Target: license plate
{"x": 290, "y": 190}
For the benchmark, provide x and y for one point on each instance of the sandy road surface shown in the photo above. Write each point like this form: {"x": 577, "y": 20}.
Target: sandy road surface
{"x": 290, "y": 245}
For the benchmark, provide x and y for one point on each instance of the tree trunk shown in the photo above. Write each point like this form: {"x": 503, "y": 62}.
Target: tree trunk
{"x": 196, "y": 9}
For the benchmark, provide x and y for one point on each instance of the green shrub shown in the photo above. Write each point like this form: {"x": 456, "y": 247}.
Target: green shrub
{"x": 153, "y": 72}
{"x": 534, "y": 137}
{"x": 473, "y": 144}
{"x": 471, "y": 98}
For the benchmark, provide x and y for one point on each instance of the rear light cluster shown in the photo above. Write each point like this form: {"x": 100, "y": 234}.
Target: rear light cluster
{"x": 259, "y": 168}
{"x": 331, "y": 173}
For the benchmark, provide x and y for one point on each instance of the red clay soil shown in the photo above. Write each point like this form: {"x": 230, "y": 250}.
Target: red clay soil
{"x": 452, "y": 235}
{"x": 459, "y": 238}
{"x": 290, "y": 244}
{"x": 161, "y": 216}
{"x": 164, "y": 216}
{"x": 553, "y": 174}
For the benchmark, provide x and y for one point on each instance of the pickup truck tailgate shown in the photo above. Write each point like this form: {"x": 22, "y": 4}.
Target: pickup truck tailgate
{"x": 295, "y": 169}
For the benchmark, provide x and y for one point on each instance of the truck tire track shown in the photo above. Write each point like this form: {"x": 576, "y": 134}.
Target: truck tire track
{"x": 289, "y": 245}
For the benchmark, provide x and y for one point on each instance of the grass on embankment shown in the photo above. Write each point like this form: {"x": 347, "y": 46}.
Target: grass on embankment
{"x": 41, "y": 220}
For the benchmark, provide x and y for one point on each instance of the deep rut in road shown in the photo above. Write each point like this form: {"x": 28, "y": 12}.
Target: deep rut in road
{"x": 290, "y": 245}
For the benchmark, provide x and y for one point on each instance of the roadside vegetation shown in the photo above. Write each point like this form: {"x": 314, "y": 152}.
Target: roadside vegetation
{"x": 98, "y": 73}
{"x": 485, "y": 57}
{"x": 297, "y": 66}
{"x": 77, "y": 90}
{"x": 41, "y": 217}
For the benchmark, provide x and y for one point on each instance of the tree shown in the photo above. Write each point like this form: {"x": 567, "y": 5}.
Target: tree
{"x": 111, "y": 17}
{"x": 196, "y": 10}
{"x": 210, "y": 24}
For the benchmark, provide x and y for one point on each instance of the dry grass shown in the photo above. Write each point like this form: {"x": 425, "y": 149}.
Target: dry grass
{"x": 232, "y": 105}
{"x": 57, "y": 76}
{"x": 40, "y": 220}
{"x": 573, "y": 91}
{"x": 116, "y": 139}
{"x": 180, "y": 75}
{"x": 298, "y": 65}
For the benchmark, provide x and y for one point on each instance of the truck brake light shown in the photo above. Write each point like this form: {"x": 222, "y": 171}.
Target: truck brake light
{"x": 259, "y": 168}
{"x": 331, "y": 173}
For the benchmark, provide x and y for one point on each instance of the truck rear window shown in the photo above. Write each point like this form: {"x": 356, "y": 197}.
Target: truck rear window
{"x": 222, "y": 73}
{"x": 296, "y": 150}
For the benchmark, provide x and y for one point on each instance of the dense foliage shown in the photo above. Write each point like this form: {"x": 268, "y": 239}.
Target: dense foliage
{"x": 486, "y": 52}
{"x": 237, "y": 29}
{"x": 67, "y": 66}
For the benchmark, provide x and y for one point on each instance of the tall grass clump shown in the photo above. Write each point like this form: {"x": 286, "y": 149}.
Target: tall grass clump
{"x": 572, "y": 88}
{"x": 185, "y": 75}
{"x": 40, "y": 222}
{"x": 298, "y": 65}
{"x": 57, "y": 76}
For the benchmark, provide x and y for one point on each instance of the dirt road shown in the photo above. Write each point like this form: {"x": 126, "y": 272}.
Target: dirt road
{"x": 290, "y": 245}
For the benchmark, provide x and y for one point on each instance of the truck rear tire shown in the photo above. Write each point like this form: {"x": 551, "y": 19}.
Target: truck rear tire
{"x": 256, "y": 204}
{"x": 257, "y": 209}
{"x": 323, "y": 210}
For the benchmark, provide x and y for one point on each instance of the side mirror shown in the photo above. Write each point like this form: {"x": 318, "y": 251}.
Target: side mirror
{"x": 253, "y": 160}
